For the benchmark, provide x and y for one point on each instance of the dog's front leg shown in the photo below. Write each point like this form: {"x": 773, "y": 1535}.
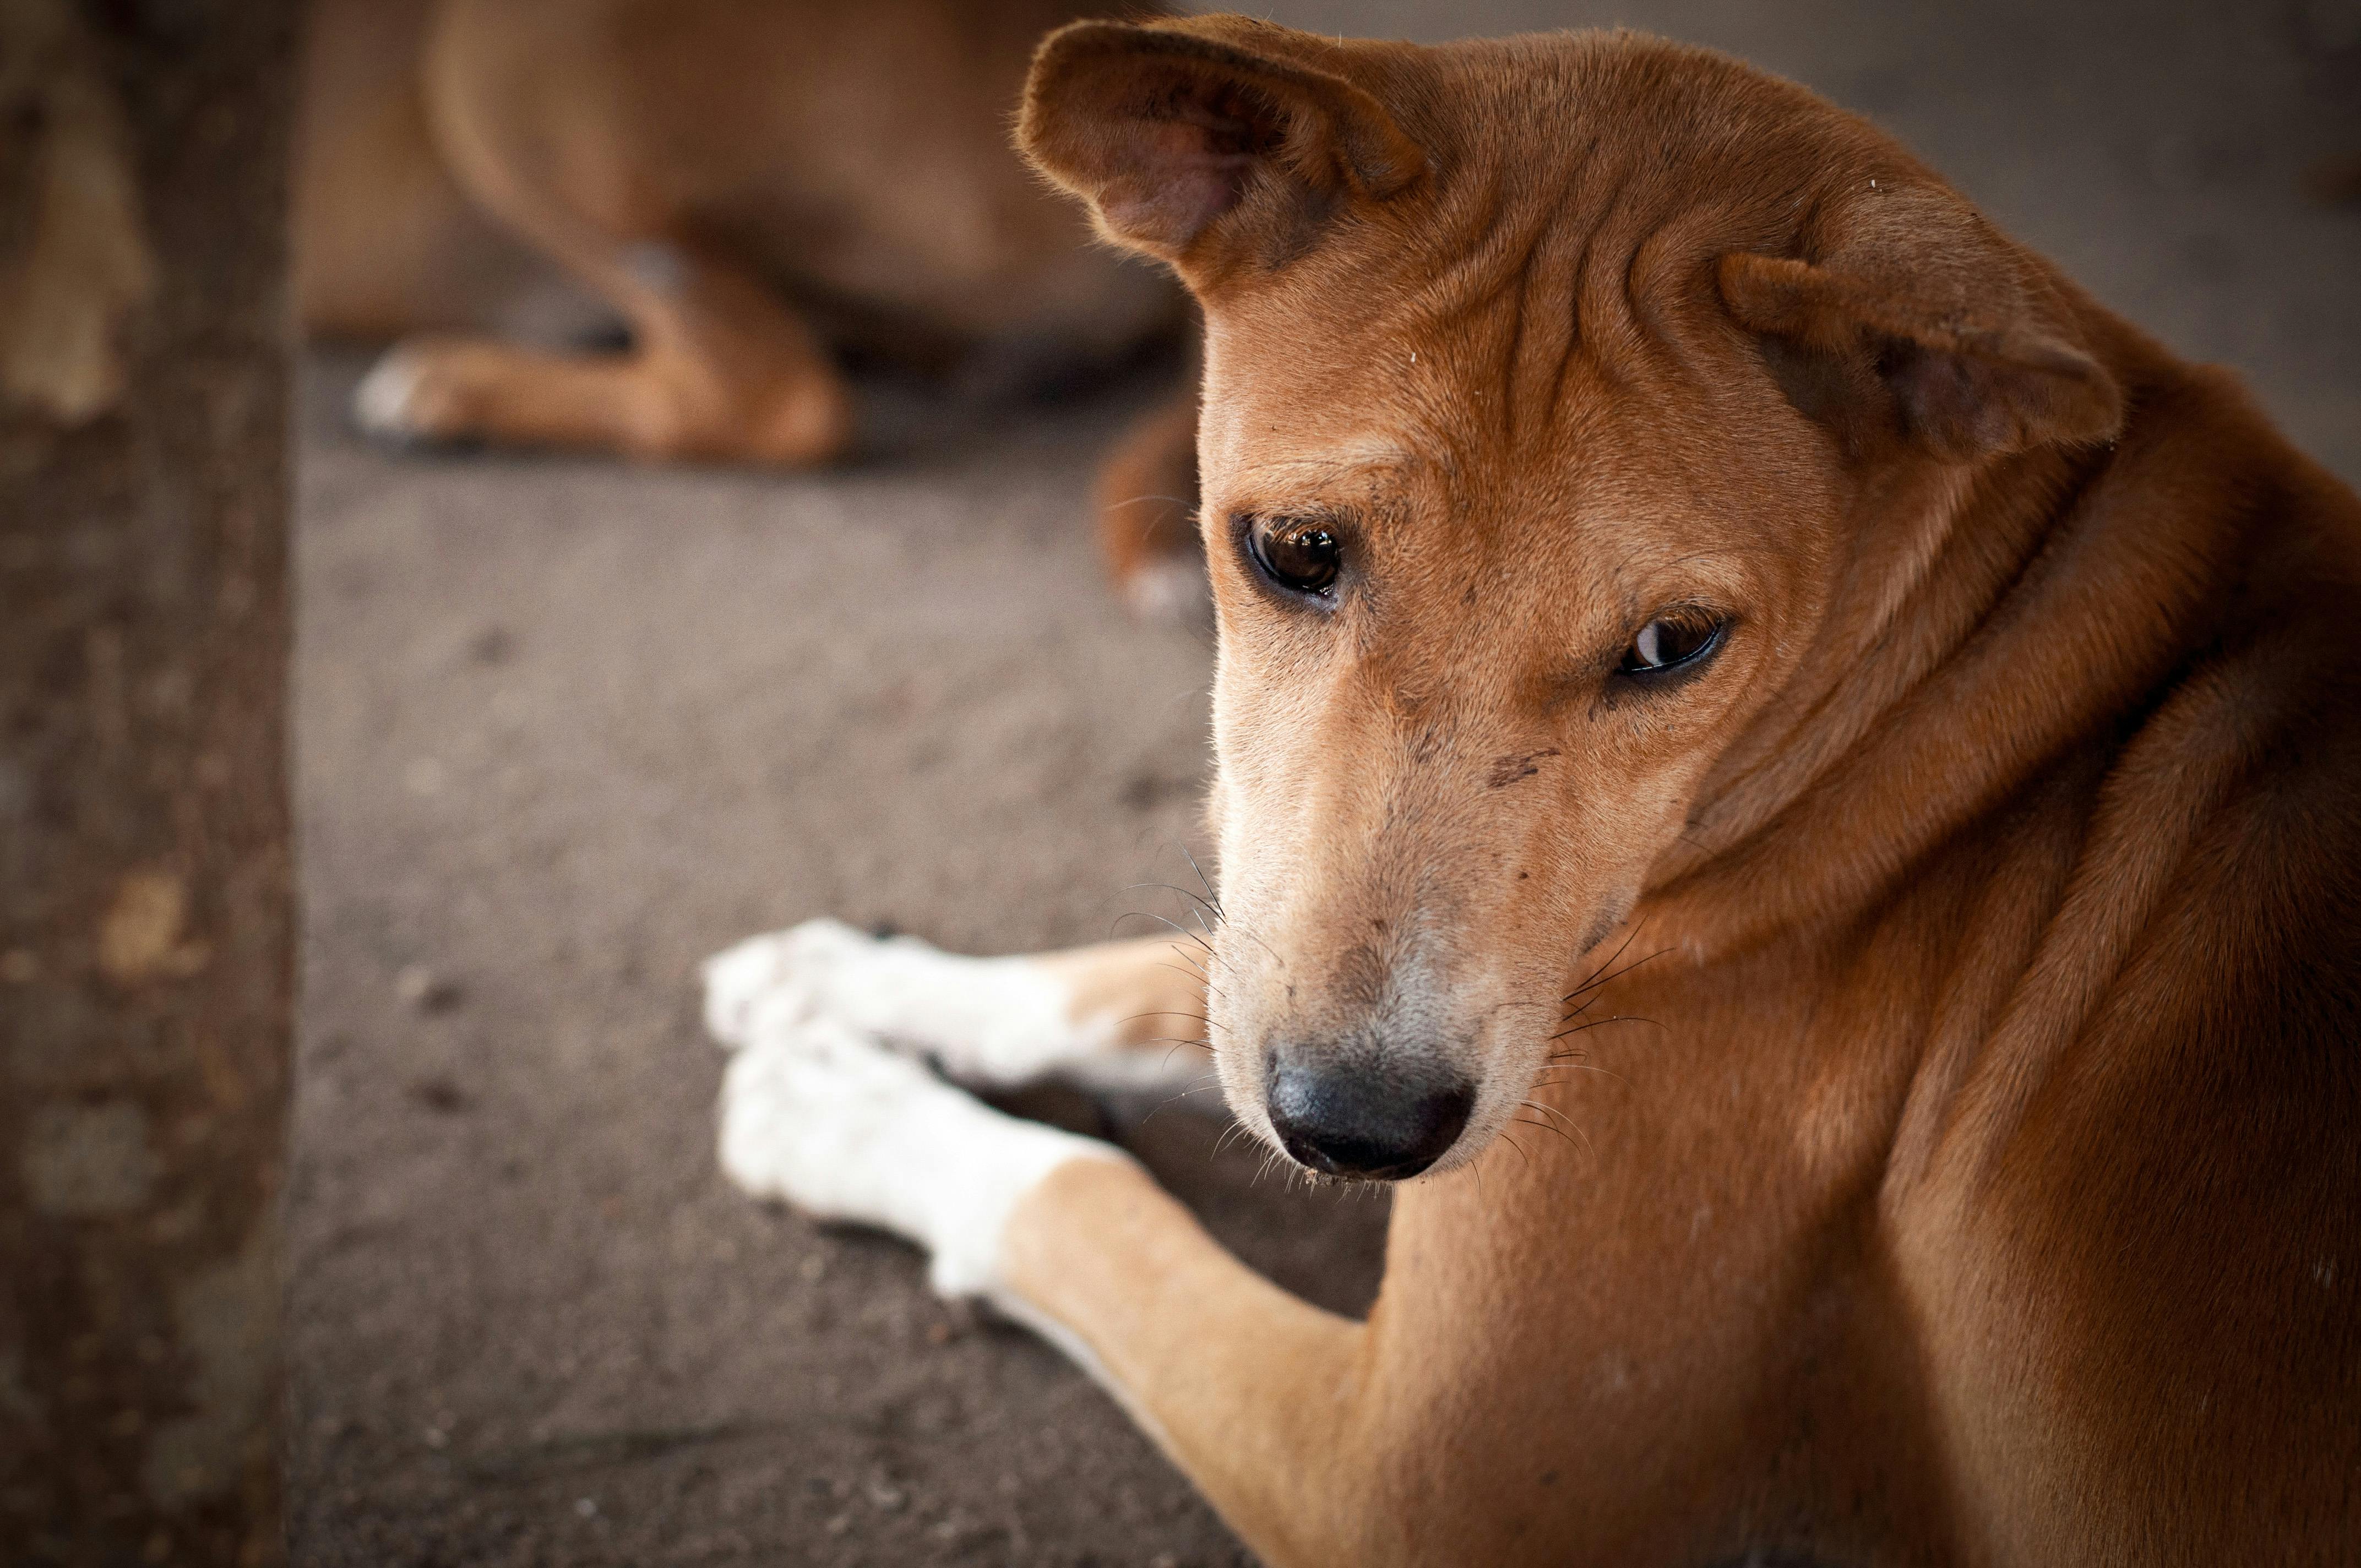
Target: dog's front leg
{"x": 1254, "y": 1394}
{"x": 1249, "y": 1390}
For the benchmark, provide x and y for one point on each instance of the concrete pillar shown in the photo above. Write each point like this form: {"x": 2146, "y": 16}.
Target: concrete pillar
{"x": 146, "y": 920}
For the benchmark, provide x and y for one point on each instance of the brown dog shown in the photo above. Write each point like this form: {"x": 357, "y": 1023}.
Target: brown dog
{"x": 1803, "y": 775}
{"x": 754, "y": 188}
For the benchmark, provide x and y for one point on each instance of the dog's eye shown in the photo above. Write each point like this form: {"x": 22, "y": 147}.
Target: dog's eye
{"x": 1295, "y": 552}
{"x": 1672, "y": 641}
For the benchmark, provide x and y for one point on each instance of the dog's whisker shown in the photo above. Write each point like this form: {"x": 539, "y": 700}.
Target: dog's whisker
{"x": 1234, "y": 1130}
{"x": 1270, "y": 1158}
{"x": 1592, "y": 978}
{"x": 1172, "y": 887}
{"x": 1204, "y": 904}
{"x": 1571, "y": 1124}
{"x": 1213, "y": 902}
{"x": 1201, "y": 877}
{"x": 1568, "y": 1060}
{"x": 1177, "y": 927}
{"x": 1196, "y": 974}
{"x": 1196, "y": 965}
{"x": 1184, "y": 1094}
{"x": 1607, "y": 972}
{"x": 1593, "y": 985}
{"x": 1175, "y": 1098}
{"x": 1547, "y": 1110}
{"x": 1570, "y": 1015}
{"x": 1602, "y": 1023}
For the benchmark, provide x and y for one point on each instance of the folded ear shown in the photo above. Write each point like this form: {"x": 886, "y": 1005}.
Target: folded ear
{"x": 1953, "y": 354}
{"x": 1207, "y": 140}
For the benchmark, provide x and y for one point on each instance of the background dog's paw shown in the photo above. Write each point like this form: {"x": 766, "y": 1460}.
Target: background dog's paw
{"x": 845, "y": 1130}
{"x": 381, "y": 403}
{"x": 410, "y": 398}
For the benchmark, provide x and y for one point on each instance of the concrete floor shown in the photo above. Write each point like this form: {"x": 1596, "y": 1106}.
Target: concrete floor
{"x": 564, "y": 727}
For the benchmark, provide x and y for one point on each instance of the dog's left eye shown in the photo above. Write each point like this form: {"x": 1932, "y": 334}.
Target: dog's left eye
{"x": 1669, "y": 642}
{"x": 1295, "y": 552}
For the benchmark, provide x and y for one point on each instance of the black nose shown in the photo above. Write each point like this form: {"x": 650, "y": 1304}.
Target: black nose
{"x": 1379, "y": 1127}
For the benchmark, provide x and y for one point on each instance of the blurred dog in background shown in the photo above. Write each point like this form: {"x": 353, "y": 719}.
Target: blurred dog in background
{"x": 756, "y": 192}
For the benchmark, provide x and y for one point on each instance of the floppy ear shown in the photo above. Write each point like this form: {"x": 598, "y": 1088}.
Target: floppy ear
{"x": 1955, "y": 356}
{"x": 1195, "y": 145}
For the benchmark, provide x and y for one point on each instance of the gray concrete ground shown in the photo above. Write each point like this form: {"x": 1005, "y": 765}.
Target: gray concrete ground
{"x": 564, "y": 727}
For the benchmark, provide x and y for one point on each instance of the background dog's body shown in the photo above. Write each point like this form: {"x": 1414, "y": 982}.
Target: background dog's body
{"x": 1958, "y": 1165}
{"x": 755, "y": 191}
{"x": 854, "y": 156}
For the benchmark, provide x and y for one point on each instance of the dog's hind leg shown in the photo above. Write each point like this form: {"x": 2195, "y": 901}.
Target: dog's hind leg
{"x": 1118, "y": 1016}
{"x": 718, "y": 369}
{"x": 1255, "y": 1395}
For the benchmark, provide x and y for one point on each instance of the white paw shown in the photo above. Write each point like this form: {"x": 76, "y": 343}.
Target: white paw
{"x": 987, "y": 1020}
{"x": 845, "y": 1130}
{"x": 384, "y": 403}
{"x": 761, "y": 977}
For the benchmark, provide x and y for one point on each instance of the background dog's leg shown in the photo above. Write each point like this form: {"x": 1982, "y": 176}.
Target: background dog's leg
{"x": 1252, "y": 1392}
{"x": 718, "y": 368}
{"x": 1118, "y": 1016}
{"x": 1146, "y": 501}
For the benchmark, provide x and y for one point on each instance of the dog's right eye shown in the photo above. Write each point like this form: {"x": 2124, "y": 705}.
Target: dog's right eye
{"x": 1298, "y": 553}
{"x": 1672, "y": 642}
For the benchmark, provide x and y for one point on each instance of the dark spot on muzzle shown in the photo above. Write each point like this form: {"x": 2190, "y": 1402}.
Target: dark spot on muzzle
{"x": 1364, "y": 1123}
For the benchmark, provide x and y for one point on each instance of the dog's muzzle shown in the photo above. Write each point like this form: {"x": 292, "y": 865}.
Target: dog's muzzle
{"x": 1365, "y": 1123}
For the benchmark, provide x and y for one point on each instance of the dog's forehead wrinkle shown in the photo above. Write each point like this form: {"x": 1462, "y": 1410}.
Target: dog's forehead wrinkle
{"x": 1553, "y": 310}
{"x": 1276, "y": 476}
{"x": 1364, "y": 459}
{"x": 1531, "y": 213}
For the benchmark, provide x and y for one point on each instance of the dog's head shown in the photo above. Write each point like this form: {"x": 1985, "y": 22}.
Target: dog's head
{"x": 1545, "y": 380}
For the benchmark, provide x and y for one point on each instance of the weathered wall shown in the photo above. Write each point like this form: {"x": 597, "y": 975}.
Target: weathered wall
{"x": 145, "y": 901}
